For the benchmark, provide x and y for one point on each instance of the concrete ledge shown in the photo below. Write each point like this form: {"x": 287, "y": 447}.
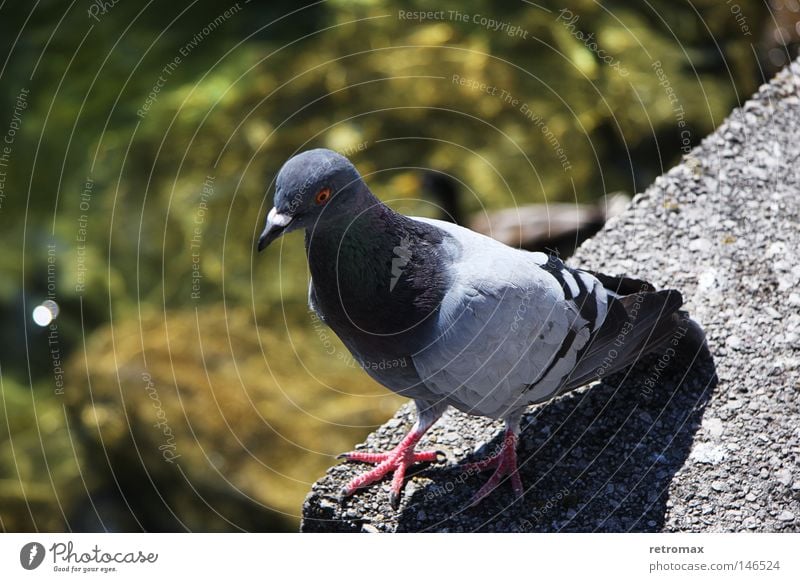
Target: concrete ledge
{"x": 713, "y": 444}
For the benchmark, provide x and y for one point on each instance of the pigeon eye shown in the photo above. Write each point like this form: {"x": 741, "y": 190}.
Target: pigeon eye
{"x": 322, "y": 196}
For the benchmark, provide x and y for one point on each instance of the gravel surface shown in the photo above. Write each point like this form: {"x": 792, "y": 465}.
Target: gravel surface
{"x": 696, "y": 443}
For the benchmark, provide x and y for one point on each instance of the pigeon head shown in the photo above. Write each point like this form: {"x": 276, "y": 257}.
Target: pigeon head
{"x": 312, "y": 187}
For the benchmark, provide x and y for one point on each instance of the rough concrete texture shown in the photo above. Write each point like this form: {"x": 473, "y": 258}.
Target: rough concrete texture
{"x": 705, "y": 442}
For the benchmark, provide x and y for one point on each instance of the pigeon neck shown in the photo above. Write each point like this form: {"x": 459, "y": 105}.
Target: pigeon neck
{"x": 366, "y": 218}
{"x": 376, "y": 273}
{"x": 366, "y": 204}
{"x": 357, "y": 236}
{"x": 356, "y": 251}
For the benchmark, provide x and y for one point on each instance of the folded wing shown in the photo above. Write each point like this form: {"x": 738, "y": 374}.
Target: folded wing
{"x": 534, "y": 328}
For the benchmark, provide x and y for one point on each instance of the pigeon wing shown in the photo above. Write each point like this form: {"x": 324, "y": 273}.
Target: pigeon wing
{"x": 510, "y": 328}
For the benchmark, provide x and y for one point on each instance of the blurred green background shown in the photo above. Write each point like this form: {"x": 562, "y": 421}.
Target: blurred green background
{"x": 184, "y": 384}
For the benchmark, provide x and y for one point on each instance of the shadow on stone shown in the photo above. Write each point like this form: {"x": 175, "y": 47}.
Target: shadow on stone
{"x": 598, "y": 460}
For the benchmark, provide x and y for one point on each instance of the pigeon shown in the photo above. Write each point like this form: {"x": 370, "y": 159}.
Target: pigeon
{"x": 451, "y": 318}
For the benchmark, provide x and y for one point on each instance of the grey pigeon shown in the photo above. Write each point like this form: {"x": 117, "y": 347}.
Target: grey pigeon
{"x": 449, "y": 317}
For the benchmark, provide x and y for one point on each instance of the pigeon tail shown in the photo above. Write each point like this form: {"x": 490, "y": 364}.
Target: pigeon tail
{"x": 636, "y": 325}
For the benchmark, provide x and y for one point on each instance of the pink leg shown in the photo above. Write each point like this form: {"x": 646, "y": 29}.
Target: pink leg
{"x": 504, "y": 464}
{"x": 396, "y": 461}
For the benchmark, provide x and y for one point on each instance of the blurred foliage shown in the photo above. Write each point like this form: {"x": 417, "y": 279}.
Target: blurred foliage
{"x": 258, "y": 402}
{"x": 39, "y": 473}
{"x": 249, "y": 434}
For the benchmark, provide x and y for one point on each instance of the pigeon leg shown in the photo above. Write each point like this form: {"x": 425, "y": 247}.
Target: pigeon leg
{"x": 504, "y": 464}
{"x": 399, "y": 459}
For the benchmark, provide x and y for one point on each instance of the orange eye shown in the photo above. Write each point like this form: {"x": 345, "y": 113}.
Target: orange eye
{"x": 323, "y": 196}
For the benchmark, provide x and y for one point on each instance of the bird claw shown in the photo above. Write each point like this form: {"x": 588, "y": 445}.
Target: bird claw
{"x": 378, "y": 458}
{"x": 396, "y": 461}
{"x": 495, "y": 480}
{"x": 504, "y": 464}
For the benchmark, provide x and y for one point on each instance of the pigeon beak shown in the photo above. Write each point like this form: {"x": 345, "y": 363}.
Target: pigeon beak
{"x": 276, "y": 225}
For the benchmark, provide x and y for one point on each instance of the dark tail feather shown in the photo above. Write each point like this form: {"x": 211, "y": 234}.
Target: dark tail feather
{"x": 623, "y": 285}
{"x": 635, "y": 325}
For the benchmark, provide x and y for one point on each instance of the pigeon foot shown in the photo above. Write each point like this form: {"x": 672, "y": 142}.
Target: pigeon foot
{"x": 396, "y": 461}
{"x": 504, "y": 464}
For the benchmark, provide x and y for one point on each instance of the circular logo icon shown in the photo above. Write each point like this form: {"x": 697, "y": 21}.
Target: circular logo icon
{"x": 31, "y": 555}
